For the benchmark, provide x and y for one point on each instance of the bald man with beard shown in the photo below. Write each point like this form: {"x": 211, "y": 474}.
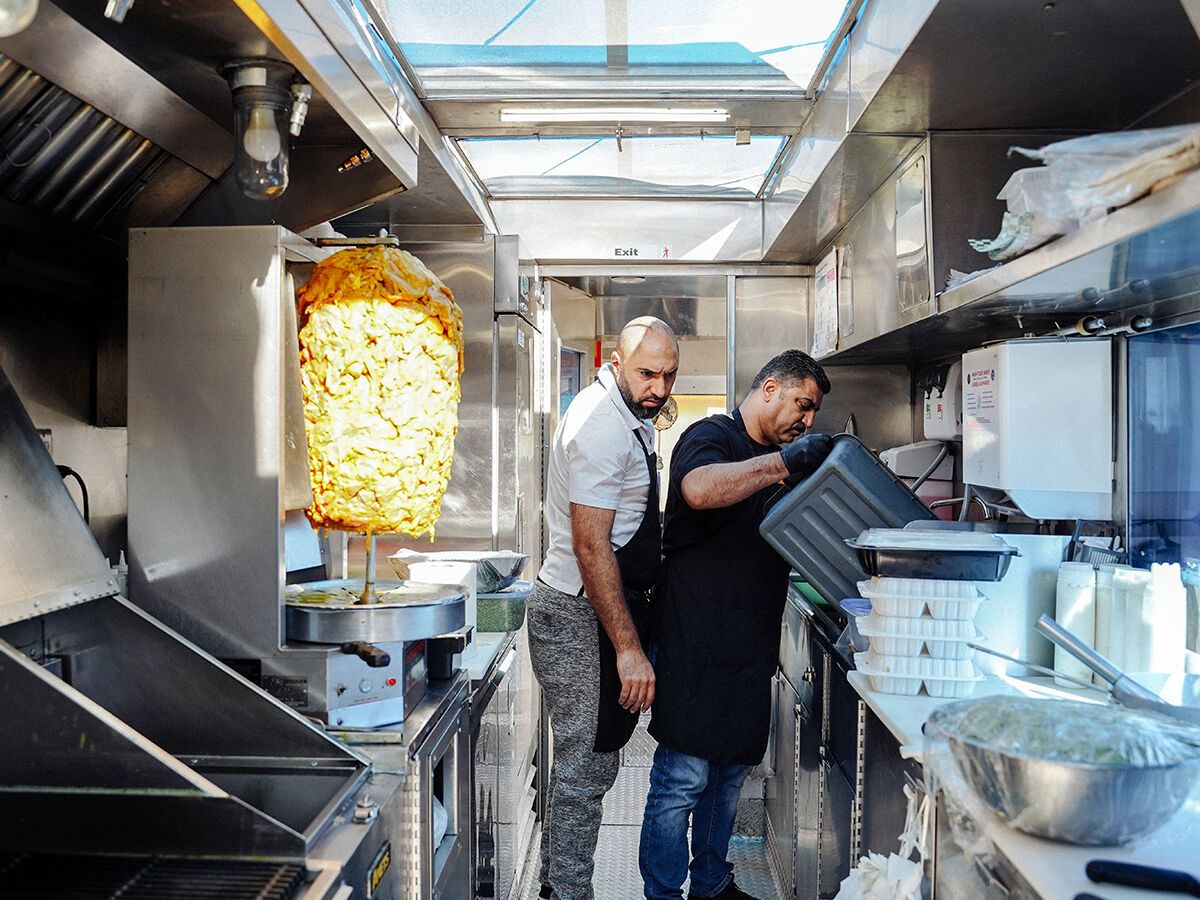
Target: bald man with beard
{"x": 589, "y": 611}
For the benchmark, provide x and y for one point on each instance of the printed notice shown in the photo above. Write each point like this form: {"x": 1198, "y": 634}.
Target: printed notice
{"x": 825, "y": 306}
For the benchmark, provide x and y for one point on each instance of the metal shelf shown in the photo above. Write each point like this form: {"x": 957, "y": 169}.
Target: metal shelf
{"x": 1142, "y": 259}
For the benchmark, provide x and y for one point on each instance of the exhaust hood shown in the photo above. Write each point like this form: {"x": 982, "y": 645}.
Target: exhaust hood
{"x": 106, "y": 126}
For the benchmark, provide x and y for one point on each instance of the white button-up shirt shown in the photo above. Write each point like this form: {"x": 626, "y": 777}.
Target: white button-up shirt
{"x": 595, "y": 460}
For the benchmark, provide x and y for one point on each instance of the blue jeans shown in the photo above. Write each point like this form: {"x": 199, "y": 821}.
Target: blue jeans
{"x": 683, "y": 787}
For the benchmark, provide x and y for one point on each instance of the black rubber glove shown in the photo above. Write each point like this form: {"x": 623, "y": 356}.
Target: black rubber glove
{"x": 803, "y": 455}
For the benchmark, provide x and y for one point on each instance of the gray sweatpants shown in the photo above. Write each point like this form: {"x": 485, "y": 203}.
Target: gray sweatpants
{"x": 566, "y": 660}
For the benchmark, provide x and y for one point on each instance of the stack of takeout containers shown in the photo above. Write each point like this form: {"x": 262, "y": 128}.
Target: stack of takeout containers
{"x": 923, "y": 605}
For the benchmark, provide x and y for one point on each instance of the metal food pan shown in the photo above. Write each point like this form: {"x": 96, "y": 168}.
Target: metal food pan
{"x": 959, "y": 565}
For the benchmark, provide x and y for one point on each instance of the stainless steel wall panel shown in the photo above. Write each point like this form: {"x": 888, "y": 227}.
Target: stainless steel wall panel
{"x": 966, "y": 171}
{"x": 879, "y": 39}
{"x": 48, "y": 557}
{"x": 770, "y": 315}
{"x": 870, "y": 268}
{"x": 853, "y": 171}
{"x": 834, "y": 170}
{"x": 581, "y": 229}
{"x": 466, "y": 520}
{"x": 879, "y": 397}
{"x": 516, "y": 501}
{"x": 206, "y": 432}
{"x": 817, "y": 144}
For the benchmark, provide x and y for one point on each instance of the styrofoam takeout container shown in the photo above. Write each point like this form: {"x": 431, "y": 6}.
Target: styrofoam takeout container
{"x": 907, "y": 675}
{"x": 932, "y": 599}
{"x": 899, "y": 635}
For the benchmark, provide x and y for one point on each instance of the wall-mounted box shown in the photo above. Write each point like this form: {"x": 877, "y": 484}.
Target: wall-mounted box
{"x": 1037, "y": 423}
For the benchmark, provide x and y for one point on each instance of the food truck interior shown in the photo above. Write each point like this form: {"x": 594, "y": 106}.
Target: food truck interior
{"x": 186, "y": 695}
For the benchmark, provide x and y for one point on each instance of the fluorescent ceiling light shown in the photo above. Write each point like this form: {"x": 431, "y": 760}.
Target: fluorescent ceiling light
{"x": 615, "y": 115}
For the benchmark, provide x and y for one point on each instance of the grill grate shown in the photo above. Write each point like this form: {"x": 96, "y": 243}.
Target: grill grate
{"x": 60, "y": 877}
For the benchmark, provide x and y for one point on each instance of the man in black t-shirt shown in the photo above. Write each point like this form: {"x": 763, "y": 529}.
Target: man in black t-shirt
{"x": 718, "y": 607}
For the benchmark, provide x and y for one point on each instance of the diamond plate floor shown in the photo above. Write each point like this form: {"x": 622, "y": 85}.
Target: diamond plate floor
{"x": 617, "y": 876}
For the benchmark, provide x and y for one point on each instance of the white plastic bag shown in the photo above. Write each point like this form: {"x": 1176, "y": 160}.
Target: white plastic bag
{"x": 882, "y": 878}
{"x": 894, "y": 877}
{"x": 1035, "y": 190}
{"x": 1111, "y": 169}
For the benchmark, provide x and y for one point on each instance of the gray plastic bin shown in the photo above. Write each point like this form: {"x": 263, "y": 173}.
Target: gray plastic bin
{"x": 851, "y": 491}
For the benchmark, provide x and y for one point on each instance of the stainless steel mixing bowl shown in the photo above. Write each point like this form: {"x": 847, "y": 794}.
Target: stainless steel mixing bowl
{"x": 495, "y": 570}
{"x": 1076, "y": 802}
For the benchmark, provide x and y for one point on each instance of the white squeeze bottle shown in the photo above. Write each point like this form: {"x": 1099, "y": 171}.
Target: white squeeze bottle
{"x": 1104, "y": 609}
{"x": 1075, "y": 610}
{"x": 1119, "y": 622}
{"x": 1137, "y": 624}
{"x": 1164, "y": 612}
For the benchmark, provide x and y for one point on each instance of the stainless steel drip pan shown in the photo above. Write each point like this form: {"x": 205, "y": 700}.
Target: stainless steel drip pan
{"x": 327, "y": 612}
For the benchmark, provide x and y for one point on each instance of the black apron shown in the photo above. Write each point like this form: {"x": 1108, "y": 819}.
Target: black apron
{"x": 638, "y": 563}
{"x": 719, "y": 603}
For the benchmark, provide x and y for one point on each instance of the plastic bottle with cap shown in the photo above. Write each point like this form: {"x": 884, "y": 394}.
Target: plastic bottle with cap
{"x": 1075, "y": 610}
{"x": 1104, "y": 608}
{"x": 1113, "y": 609}
{"x": 1164, "y": 615}
{"x": 1131, "y": 584}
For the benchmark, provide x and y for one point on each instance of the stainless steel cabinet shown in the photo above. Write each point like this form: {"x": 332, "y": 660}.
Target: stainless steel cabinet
{"x": 838, "y": 790}
{"x": 838, "y": 838}
{"x": 781, "y": 800}
{"x": 439, "y": 773}
{"x": 505, "y": 739}
{"x": 839, "y": 781}
{"x": 486, "y": 700}
{"x": 518, "y": 740}
{"x": 811, "y": 803}
{"x": 959, "y": 874}
{"x": 885, "y": 773}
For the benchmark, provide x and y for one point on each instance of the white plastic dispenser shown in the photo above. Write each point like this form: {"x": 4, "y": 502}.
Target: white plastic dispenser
{"x": 1037, "y": 423}
{"x": 943, "y": 410}
{"x": 912, "y": 460}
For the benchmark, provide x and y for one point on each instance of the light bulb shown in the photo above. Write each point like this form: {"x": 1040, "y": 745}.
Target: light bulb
{"x": 15, "y": 15}
{"x": 262, "y": 101}
{"x": 262, "y": 139}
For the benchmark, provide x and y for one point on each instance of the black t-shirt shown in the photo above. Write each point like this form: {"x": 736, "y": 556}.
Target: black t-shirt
{"x": 719, "y": 605}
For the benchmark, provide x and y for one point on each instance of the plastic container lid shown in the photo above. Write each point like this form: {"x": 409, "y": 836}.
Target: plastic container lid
{"x": 932, "y": 539}
{"x": 855, "y": 606}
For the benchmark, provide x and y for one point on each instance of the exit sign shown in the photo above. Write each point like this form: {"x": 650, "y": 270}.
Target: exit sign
{"x": 642, "y": 252}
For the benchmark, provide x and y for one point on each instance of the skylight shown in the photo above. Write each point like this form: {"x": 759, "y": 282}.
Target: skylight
{"x": 639, "y": 166}
{"x": 773, "y": 42}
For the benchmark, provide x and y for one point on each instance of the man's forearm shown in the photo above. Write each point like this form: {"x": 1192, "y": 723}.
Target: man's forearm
{"x": 718, "y": 485}
{"x": 591, "y": 530}
{"x": 602, "y": 583}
